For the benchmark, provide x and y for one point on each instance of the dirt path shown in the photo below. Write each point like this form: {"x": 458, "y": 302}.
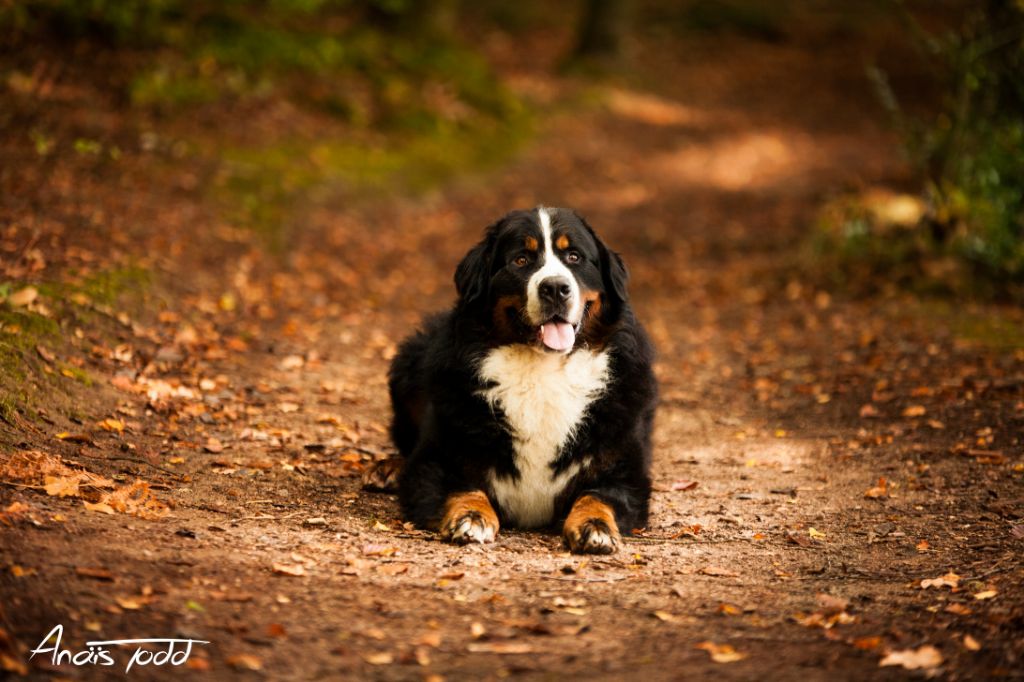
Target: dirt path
{"x": 762, "y": 537}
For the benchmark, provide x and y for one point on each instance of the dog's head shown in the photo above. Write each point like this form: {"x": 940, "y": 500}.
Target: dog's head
{"x": 543, "y": 277}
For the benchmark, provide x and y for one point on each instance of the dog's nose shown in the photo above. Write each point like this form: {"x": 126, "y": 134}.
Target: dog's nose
{"x": 555, "y": 289}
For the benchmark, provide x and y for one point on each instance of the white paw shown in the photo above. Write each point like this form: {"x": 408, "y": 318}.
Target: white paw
{"x": 468, "y": 528}
{"x": 592, "y": 537}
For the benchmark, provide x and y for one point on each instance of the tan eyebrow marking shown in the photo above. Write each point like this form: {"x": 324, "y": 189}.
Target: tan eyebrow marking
{"x": 562, "y": 242}
{"x": 532, "y": 244}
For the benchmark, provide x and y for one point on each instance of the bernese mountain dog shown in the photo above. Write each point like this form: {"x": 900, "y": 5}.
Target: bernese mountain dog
{"x": 532, "y": 401}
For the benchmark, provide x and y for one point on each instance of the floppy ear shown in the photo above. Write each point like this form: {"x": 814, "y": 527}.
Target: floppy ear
{"x": 473, "y": 275}
{"x": 613, "y": 270}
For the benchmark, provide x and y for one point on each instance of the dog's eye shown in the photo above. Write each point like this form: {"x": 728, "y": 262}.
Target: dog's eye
{"x": 572, "y": 257}
{"x": 521, "y": 261}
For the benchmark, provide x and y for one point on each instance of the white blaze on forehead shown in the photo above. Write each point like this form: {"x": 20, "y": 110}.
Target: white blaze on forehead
{"x": 550, "y": 266}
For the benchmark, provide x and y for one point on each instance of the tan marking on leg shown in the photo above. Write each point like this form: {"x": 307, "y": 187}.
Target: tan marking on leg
{"x": 532, "y": 244}
{"x": 590, "y": 527}
{"x": 469, "y": 517}
{"x": 562, "y": 242}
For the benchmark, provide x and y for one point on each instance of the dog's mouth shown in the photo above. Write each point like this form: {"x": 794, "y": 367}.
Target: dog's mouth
{"x": 557, "y": 334}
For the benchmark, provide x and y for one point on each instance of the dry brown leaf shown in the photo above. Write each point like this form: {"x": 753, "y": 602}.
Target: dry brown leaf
{"x": 867, "y": 643}
{"x": 985, "y": 594}
{"x": 379, "y": 658}
{"x": 880, "y": 490}
{"x": 135, "y": 499}
{"x": 379, "y": 550}
{"x": 244, "y": 662}
{"x": 96, "y": 573}
{"x": 684, "y": 485}
{"x": 213, "y": 445}
{"x": 101, "y": 507}
{"x": 971, "y": 644}
{"x": 431, "y": 639}
{"x": 951, "y": 580}
{"x": 868, "y": 411}
{"x": 923, "y": 658}
{"x": 23, "y": 297}
{"x": 65, "y": 486}
{"x": 499, "y": 648}
{"x": 721, "y": 653}
{"x": 393, "y": 569}
{"x": 293, "y": 570}
{"x": 82, "y": 438}
{"x": 914, "y": 411}
{"x": 112, "y": 424}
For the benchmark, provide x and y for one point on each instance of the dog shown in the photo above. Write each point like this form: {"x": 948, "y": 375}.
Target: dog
{"x": 531, "y": 402}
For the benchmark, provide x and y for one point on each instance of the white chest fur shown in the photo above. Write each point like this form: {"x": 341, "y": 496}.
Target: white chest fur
{"x": 544, "y": 398}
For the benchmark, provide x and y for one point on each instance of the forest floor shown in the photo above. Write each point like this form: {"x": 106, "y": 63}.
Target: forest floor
{"x": 838, "y": 480}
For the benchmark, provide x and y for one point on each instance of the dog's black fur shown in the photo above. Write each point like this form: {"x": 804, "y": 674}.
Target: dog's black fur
{"x": 452, "y": 439}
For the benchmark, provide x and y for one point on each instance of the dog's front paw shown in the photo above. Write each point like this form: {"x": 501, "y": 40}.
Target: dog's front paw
{"x": 469, "y": 517}
{"x": 590, "y": 527}
{"x": 383, "y": 475}
{"x": 593, "y": 536}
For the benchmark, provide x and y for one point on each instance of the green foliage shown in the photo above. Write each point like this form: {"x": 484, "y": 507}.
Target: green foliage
{"x": 372, "y": 62}
{"x": 970, "y": 150}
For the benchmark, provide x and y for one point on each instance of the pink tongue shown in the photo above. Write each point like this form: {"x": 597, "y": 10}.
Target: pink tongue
{"x": 557, "y": 335}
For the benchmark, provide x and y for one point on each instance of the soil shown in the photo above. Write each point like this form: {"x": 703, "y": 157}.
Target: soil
{"x": 817, "y": 456}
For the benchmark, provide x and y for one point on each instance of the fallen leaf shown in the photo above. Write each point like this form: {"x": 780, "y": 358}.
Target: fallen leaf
{"x": 729, "y": 610}
{"x": 868, "y": 411}
{"x": 815, "y": 534}
{"x": 985, "y": 594}
{"x": 112, "y": 424}
{"x": 721, "y": 653}
{"x": 951, "y": 580}
{"x": 431, "y": 639}
{"x": 684, "y": 485}
{"x": 664, "y": 616}
{"x": 213, "y": 445}
{"x": 393, "y": 569}
{"x": 294, "y": 570}
{"x": 922, "y": 546}
{"x": 867, "y": 643}
{"x": 276, "y": 630}
{"x": 959, "y": 609}
{"x": 83, "y": 438}
{"x": 244, "y": 662}
{"x": 379, "y": 550}
{"x": 971, "y": 644}
{"x": 925, "y": 657}
{"x": 499, "y": 648}
{"x": 914, "y": 411}
{"x": 101, "y": 507}
{"x": 65, "y": 486}
{"x": 95, "y": 573}
{"x": 880, "y": 490}
{"x": 23, "y": 297}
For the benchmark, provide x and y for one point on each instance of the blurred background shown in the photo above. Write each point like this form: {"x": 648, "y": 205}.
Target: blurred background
{"x": 281, "y": 104}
